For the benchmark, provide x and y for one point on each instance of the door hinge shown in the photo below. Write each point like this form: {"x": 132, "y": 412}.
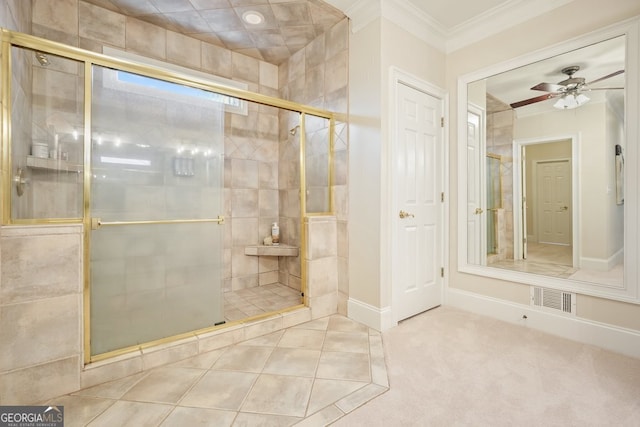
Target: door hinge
{"x": 441, "y": 271}
{"x": 441, "y": 122}
{"x": 442, "y": 197}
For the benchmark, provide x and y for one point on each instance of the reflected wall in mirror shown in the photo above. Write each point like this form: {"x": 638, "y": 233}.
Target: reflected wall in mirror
{"x": 541, "y": 166}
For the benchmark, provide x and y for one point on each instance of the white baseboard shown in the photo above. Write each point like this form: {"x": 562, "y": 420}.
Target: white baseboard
{"x": 617, "y": 339}
{"x": 379, "y": 319}
{"x": 599, "y": 264}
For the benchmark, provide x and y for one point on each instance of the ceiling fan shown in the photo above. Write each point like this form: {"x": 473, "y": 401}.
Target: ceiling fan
{"x": 569, "y": 89}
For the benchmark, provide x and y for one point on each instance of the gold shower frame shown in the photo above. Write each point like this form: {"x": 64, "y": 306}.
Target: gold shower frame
{"x": 10, "y": 39}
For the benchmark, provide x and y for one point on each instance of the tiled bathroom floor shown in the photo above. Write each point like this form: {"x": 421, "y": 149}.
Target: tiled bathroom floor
{"x": 250, "y": 302}
{"x": 309, "y": 374}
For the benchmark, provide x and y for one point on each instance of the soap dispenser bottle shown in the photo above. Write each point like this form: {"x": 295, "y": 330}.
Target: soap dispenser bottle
{"x": 275, "y": 234}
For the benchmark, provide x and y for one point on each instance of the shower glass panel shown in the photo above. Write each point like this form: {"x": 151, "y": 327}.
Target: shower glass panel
{"x": 47, "y": 119}
{"x": 156, "y": 194}
{"x": 317, "y": 163}
{"x": 494, "y": 201}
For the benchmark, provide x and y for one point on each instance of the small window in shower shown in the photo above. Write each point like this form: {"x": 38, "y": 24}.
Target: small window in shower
{"x": 232, "y": 104}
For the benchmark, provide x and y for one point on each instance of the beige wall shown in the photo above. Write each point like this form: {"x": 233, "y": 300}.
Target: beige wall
{"x": 558, "y": 26}
{"x": 374, "y": 49}
{"x": 365, "y": 135}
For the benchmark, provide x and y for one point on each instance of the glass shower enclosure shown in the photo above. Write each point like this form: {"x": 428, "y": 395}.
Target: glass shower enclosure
{"x": 156, "y": 193}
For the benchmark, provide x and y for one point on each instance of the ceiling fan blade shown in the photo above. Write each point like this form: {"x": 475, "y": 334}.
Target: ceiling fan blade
{"x": 608, "y": 76}
{"x": 534, "y": 100}
{"x": 548, "y": 87}
{"x": 602, "y": 88}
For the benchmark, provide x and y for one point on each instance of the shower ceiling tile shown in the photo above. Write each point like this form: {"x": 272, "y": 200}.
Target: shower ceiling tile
{"x": 189, "y": 22}
{"x": 222, "y": 19}
{"x": 292, "y": 13}
{"x": 235, "y": 40}
{"x": 167, "y": 6}
{"x": 292, "y": 24}
{"x": 210, "y": 4}
{"x": 267, "y": 38}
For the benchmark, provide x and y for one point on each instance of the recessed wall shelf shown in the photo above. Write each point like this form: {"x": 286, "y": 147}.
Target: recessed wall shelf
{"x": 280, "y": 250}
{"x": 53, "y": 164}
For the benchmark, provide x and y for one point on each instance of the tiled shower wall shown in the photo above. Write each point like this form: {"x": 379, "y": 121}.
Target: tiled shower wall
{"x": 499, "y": 141}
{"x": 318, "y": 75}
{"x": 76, "y": 23}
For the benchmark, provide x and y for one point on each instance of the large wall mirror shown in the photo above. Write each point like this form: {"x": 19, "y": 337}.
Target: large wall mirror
{"x": 548, "y": 161}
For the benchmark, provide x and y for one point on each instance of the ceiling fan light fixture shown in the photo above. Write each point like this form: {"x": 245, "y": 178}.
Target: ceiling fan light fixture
{"x": 571, "y": 101}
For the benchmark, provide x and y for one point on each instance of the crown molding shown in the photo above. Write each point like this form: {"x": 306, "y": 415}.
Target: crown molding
{"x": 497, "y": 19}
{"x": 423, "y": 26}
{"x": 363, "y": 12}
{"x": 415, "y": 21}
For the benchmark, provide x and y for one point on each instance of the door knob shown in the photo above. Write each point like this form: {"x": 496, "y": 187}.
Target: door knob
{"x": 478, "y": 211}
{"x": 565, "y": 208}
{"x": 404, "y": 214}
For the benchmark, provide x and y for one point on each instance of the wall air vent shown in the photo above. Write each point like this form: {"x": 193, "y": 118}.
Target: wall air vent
{"x": 553, "y": 300}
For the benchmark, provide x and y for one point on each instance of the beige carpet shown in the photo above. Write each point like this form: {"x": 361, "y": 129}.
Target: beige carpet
{"x": 447, "y": 367}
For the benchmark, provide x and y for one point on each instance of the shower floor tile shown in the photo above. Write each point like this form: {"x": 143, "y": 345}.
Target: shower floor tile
{"x": 250, "y": 302}
{"x": 306, "y": 374}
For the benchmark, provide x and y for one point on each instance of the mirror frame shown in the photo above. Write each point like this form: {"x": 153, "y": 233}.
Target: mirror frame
{"x": 630, "y": 290}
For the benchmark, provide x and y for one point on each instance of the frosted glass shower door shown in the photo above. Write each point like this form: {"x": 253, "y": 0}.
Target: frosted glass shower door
{"x": 156, "y": 196}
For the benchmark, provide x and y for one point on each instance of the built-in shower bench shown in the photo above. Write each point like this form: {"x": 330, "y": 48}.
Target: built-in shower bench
{"x": 264, "y": 250}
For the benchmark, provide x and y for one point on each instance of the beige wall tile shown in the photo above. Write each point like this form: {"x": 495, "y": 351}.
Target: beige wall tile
{"x": 102, "y": 25}
{"x": 111, "y": 369}
{"x": 58, "y": 15}
{"x": 245, "y": 68}
{"x": 322, "y": 232}
{"x": 243, "y": 265}
{"x": 268, "y": 263}
{"x": 161, "y": 355}
{"x": 315, "y": 53}
{"x": 244, "y": 173}
{"x": 39, "y": 331}
{"x": 183, "y": 50}
{"x": 221, "y": 338}
{"x": 263, "y": 327}
{"x": 337, "y": 76}
{"x": 296, "y": 66}
{"x": 244, "y": 203}
{"x": 268, "y": 175}
{"x": 322, "y": 276}
{"x": 324, "y": 305}
{"x": 293, "y": 318}
{"x": 54, "y": 267}
{"x": 268, "y": 278}
{"x": 337, "y": 39}
{"x": 245, "y": 233}
{"x": 268, "y": 75}
{"x": 146, "y": 39}
{"x": 39, "y": 383}
{"x": 216, "y": 60}
{"x": 315, "y": 85}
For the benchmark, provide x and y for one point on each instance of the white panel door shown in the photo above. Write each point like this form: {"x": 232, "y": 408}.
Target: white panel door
{"x": 554, "y": 202}
{"x": 418, "y": 259}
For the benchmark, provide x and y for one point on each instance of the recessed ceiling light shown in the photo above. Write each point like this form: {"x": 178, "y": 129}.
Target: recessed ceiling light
{"x": 252, "y": 17}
